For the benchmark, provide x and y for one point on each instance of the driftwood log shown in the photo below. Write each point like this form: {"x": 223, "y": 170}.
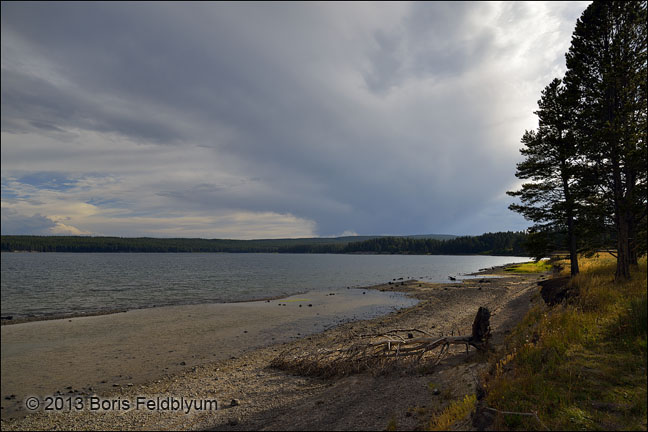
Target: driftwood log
{"x": 398, "y": 346}
{"x": 413, "y": 346}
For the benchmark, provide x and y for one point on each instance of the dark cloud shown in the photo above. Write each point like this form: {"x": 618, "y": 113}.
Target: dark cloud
{"x": 19, "y": 224}
{"x": 434, "y": 41}
{"x": 400, "y": 119}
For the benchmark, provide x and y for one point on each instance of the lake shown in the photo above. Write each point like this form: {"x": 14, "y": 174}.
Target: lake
{"x": 45, "y": 284}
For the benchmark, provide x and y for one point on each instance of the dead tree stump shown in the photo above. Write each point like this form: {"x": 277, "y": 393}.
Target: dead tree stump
{"x": 481, "y": 328}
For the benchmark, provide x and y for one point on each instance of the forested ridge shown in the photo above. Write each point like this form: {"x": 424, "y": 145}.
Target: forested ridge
{"x": 502, "y": 243}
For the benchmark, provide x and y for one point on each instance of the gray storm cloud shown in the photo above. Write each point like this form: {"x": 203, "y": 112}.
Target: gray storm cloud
{"x": 271, "y": 120}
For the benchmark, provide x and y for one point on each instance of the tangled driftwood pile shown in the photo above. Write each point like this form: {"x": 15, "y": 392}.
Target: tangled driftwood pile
{"x": 382, "y": 352}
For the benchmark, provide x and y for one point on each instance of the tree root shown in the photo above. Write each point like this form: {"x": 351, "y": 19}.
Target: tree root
{"x": 391, "y": 349}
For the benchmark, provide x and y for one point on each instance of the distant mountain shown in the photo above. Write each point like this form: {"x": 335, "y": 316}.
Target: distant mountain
{"x": 311, "y": 240}
{"x": 350, "y": 239}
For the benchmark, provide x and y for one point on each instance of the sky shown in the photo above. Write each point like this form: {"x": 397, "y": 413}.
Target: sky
{"x": 270, "y": 120}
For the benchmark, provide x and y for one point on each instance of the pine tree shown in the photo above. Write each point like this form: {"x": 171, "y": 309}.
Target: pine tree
{"x": 550, "y": 199}
{"x": 607, "y": 74}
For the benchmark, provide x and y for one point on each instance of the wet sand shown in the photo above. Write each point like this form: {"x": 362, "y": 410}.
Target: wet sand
{"x": 95, "y": 354}
{"x": 271, "y": 399}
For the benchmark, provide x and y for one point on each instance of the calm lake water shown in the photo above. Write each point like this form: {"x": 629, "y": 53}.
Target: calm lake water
{"x": 38, "y": 284}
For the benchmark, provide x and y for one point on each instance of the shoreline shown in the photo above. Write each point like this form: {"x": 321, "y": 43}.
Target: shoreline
{"x": 22, "y": 320}
{"x": 250, "y": 364}
{"x": 12, "y": 320}
{"x": 97, "y": 353}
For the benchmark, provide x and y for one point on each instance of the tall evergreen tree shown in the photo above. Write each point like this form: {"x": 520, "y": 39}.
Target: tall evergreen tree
{"x": 550, "y": 200}
{"x": 606, "y": 70}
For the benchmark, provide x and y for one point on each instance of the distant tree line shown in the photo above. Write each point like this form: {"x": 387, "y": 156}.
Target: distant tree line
{"x": 149, "y": 244}
{"x": 586, "y": 163}
{"x": 502, "y": 243}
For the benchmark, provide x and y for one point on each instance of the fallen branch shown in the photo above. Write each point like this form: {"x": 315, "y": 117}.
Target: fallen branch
{"x": 531, "y": 414}
{"x": 381, "y": 354}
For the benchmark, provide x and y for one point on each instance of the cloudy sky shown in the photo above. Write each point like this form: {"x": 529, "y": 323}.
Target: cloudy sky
{"x": 257, "y": 120}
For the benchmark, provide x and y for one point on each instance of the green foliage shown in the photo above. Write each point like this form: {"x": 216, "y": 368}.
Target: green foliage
{"x": 607, "y": 73}
{"x": 586, "y": 163}
{"x": 551, "y": 199}
{"x": 581, "y": 365}
{"x": 635, "y": 320}
{"x": 491, "y": 243}
{"x": 145, "y": 244}
{"x": 502, "y": 243}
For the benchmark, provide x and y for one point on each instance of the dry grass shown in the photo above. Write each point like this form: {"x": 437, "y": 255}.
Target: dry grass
{"x": 580, "y": 365}
{"x": 454, "y": 412}
{"x": 530, "y": 267}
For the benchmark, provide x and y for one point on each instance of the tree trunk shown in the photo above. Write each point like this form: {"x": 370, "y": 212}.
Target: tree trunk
{"x": 573, "y": 253}
{"x": 632, "y": 243}
{"x": 571, "y": 235}
{"x": 621, "y": 210}
{"x": 629, "y": 215}
{"x": 623, "y": 254}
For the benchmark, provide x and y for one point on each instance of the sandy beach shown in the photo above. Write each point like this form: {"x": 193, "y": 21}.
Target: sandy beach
{"x": 94, "y": 354}
{"x": 223, "y": 353}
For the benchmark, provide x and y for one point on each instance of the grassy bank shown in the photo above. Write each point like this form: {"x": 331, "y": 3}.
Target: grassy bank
{"x": 580, "y": 365}
{"x": 530, "y": 267}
